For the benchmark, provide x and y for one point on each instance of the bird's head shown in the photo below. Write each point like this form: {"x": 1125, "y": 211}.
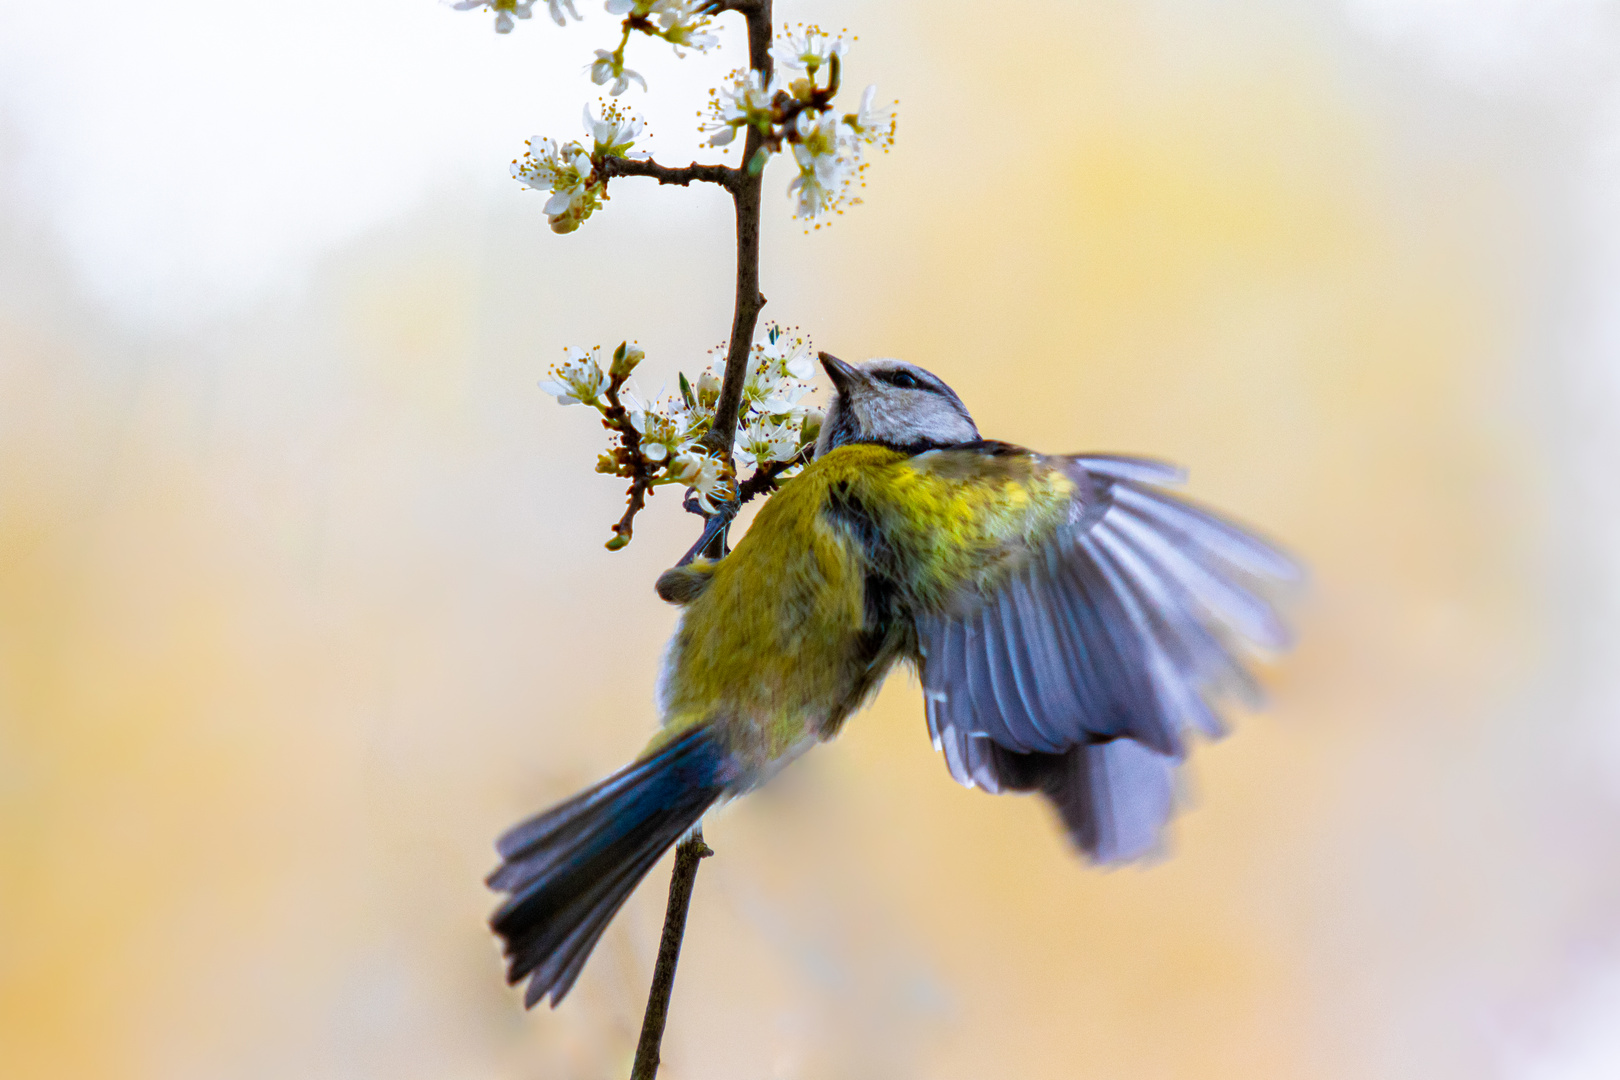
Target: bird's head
{"x": 892, "y": 403}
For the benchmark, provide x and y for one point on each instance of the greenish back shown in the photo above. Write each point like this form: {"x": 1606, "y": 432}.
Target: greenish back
{"x": 800, "y": 623}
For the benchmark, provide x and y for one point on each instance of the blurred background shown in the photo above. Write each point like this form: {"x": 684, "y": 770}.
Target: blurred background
{"x": 303, "y": 596}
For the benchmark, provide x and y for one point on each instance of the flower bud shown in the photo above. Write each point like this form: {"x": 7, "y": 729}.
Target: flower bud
{"x": 708, "y": 389}
{"x": 810, "y": 430}
{"x": 625, "y": 359}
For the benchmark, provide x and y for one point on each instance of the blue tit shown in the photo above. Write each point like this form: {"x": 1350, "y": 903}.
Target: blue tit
{"x": 1069, "y": 621}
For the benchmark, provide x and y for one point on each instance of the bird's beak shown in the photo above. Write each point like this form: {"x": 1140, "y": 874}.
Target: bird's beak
{"x": 840, "y": 373}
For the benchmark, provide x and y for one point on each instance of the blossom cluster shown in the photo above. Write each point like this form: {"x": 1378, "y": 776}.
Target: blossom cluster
{"x": 664, "y": 442}
{"x": 683, "y": 23}
{"x": 507, "y": 10}
{"x": 795, "y": 114}
{"x": 573, "y": 174}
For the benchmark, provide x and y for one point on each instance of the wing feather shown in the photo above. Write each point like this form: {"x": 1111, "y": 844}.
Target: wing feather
{"x": 1137, "y": 470}
{"x": 1248, "y": 615}
{"x": 1120, "y": 665}
{"x": 1175, "y": 686}
{"x": 1205, "y": 651}
{"x": 1023, "y": 629}
{"x": 1077, "y": 672}
{"x": 1202, "y": 528}
{"x": 990, "y": 679}
{"x": 1054, "y": 682}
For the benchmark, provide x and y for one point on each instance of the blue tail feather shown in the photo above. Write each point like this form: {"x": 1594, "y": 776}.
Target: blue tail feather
{"x": 569, "y": 870}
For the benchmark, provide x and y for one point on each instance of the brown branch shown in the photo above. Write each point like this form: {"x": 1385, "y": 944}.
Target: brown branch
{"x": 637, "y": 496}
{"x": 764, "y": 480}
{"x": 617, "y": 418}
{"x": 681, "y": 881}
{"x": 746, "y": 195}
{"x": 746, "y": 7}
{"x": 712, "y": 174}
{"x": 745, "y": 192}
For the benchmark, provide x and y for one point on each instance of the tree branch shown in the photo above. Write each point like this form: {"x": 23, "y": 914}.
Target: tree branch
{"x": 763, "y": 482}
{"x": 617, "y": 418}
{"x": 687, "y": 856}
{"x": 723, "y": 175}
{"x": 746, "y": 7}
{"x": 745, "y": 193}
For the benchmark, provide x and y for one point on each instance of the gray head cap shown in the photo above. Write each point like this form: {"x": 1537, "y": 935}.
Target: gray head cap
{"x": 892, "y": 403}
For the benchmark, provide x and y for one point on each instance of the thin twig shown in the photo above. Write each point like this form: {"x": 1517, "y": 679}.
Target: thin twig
{"x": 712, "y": 543}
{"x": 764, "y": 480}
{"x": 617, "y": 418}
{"x": 681, "y": 881}
{"x": 713, "y": 174}
{"x": 636, "y": 498}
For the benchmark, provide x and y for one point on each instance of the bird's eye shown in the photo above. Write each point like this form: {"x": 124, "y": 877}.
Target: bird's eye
{"x": 903, "y": 380}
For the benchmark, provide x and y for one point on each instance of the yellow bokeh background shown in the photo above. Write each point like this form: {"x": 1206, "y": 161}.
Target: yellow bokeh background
{"x": 301, "y": 605}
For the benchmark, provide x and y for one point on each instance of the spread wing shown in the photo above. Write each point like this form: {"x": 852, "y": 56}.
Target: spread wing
{"x": 1079, "y": 671}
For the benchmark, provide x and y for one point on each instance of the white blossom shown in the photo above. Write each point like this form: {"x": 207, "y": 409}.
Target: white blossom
{"x": 665, "y": 433}
{"x": 681, "y": 23}
{"x": 570, "y": 173}
{"x": 578, "y": 379}
{"x": 826, "y": 162}
{"x": 799, "y": 364}
{"x": 791, "y": 356}
{"x": 806, "y": 50}
{"x": 610, "y": 65}
{"x": 614, "y": 133}
{"x": 767, "y": 392}
{"x": 762, "y": 443}
{"x": 690, "y": 421}
{"x": 505, "y": 11}
{"x": 745, "y": 101}
{"x": 573, "y": 202}
{"x": 659, "y": 440}
{"x": 870, "y": 122}
{"x": 633, "y": 406}
{"x": 814, "y": 197}
{"x": 539, "y": 166}
{"x": 704, "y": 475}
{"x": 557, "y": 7}
{"x": 544, "y": 167}
{"x": 784, "y": 400}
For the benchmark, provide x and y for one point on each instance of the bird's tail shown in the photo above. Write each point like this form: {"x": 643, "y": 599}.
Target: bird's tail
{"x": 569, "y": 870}
{"x": 1113, "y": 795}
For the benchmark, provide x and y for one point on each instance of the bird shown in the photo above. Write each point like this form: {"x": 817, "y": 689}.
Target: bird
{"x": 1071, "y": 623}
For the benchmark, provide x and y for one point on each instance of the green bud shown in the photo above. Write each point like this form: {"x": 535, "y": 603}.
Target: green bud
{"x": 618, "y": 542}
{"x": 756, "y": 164}
{"x": 686, "y": 391}
{"x": 625, "y": 359}
{"x": 811, "y": 428}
